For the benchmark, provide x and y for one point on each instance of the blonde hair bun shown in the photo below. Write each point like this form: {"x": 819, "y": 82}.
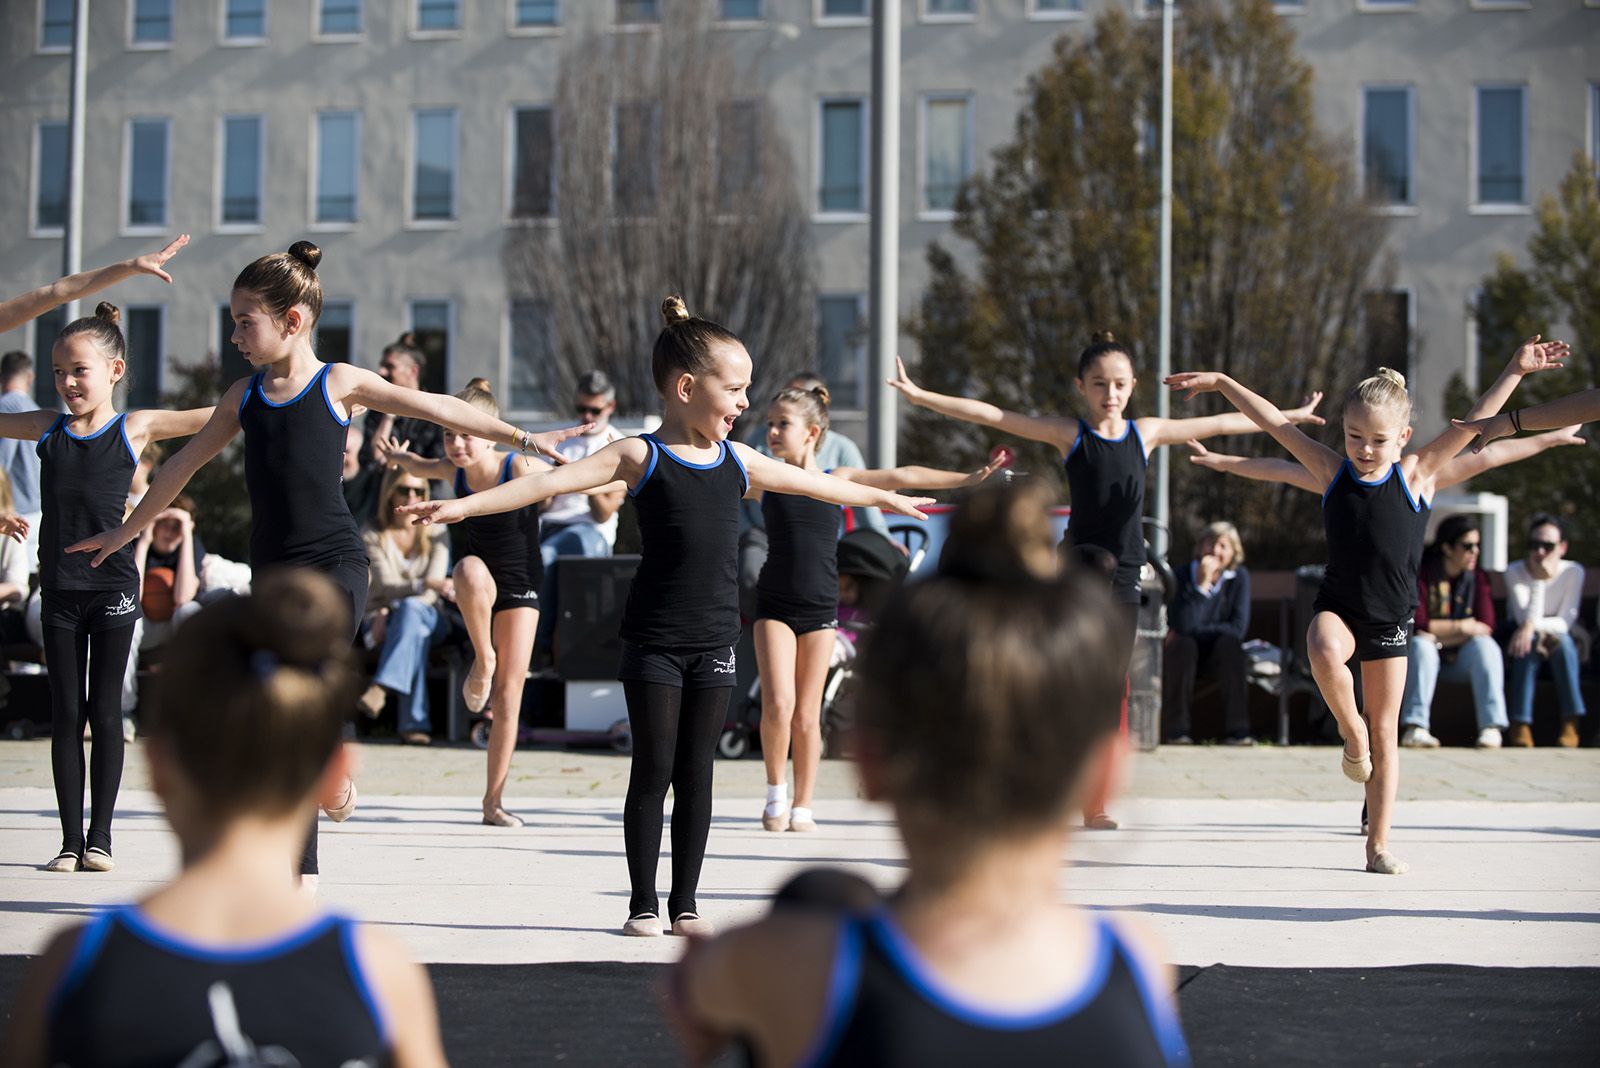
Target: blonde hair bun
{"x": 1391, "y": 375}
{"x": 674, "y": 310}
{"x": 108, "y": 312}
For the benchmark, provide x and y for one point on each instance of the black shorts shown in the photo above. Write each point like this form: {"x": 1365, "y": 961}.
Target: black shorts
{"x": 802, "y": 619}
{"x": 89, "y": 611}
{"x": 696, "y": 669}
{"x": 1375, "y": 640}
{"x": 507, "y": 599}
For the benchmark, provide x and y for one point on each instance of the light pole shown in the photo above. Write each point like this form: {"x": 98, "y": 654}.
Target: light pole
{"x": 884, "y": 316}
{"x": 72, "y": 232}
{"x": 1159, "y": 536}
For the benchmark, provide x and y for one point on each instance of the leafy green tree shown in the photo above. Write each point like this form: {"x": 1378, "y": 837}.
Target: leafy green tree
{"x": 222, "y": 505}
{"x": 1273, "y": 249}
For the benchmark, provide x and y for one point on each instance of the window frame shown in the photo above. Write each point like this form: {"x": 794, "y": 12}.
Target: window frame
{"x": 451, "y": 312}
{"x": 35, "y": 172}
{"x": 611, "y": 159}
{"x": 514, "y": 30}
{"x": 1411, "y": 326}
{"x": 969, "y": 148}
{"x": 130, "y": 228}
{"x": 511, "y": 218}
{"x": 1386, "y": 7}
{"x": 244, "y": 42}
{"x": 1409, "y": 205}
{"x": 314, "y": 224}
{"x": 640, "y": 26}
{"x": 836, "y": 215}
{"x": 508, "y": 356}
{"x": 161, "y": 347}
{"x": 39, "y": 46}
{"x": 863, "y": 316}
{"x": 321, "y": 36}
{"x": 355, "y": 347}
{"x": 751, "y": 22}
{"x": 418, "y": 33}
{"x": 453, "y": 221}
{"x": 1038, "y": 14}
{"x": 820, "y": 17}
{"x": 134, "y": 45}
{"x": 1475, "y": 206}
{"x": 943, "y": 18}
{"x": 221, "y": 175}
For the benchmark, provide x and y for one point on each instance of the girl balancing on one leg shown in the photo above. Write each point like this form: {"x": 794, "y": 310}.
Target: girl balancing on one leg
{"x": 682, "y": 617}
{"x": 294, "y": 412}
{"x": 975, "y": 958}
{"x": 86, "y": 462}
{"x": 797, "y": 599}
{"x": 1373, "y": 501}
{"x": 497, "y": 575}
{"x": 229, "y": 963}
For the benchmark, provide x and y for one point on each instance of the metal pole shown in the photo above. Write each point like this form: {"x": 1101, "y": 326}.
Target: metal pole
{"x": 72, "y": 233}
{"x": 1159, "y": 536}
{"x": 884, "y": 317}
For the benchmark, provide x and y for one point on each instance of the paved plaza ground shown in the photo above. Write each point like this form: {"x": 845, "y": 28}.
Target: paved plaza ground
{"x": 1241, "y": 859}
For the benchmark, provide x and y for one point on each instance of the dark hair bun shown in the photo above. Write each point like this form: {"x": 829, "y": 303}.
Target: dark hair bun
{"x": 407, "y": 340}
{"x": 674, "y": 310}
{"x": 1104, "y": 337}
{"x": 306, "y": 253}
{"x": 107, "y": 312}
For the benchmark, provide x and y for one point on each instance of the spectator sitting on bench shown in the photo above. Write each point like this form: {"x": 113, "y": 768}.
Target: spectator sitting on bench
{"x": 404, "y": 620}
{"x": 1454, "y": 637}
{"x": 1543, "y": 593}
{"x": 1205, "y": 636}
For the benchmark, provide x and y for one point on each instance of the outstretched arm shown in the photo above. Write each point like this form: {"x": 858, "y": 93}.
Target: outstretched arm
{"x": 27, "y": 426}
{"x": 1580, "y": 407}
{"x": 31, "y": 305}
{"x": 172, "y": 477}
{"x": 1259, "y": 468}
{"x": 156, "y": 425}
{"x": 914, "y": 477}
{"x": 621, "y": 460}
{"x": 390, "y": 451}
{"x": 1156, "y": 432}
{"x": 1317, "y": 458}
{"x": 773, "y": 476}
{"x": 1531, "y": 357}
{"x": 1062, "y": 433}
{"x": 1500, "y": 453}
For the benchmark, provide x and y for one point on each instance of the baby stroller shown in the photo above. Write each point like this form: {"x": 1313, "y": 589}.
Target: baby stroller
{"x": 871, "y": 566}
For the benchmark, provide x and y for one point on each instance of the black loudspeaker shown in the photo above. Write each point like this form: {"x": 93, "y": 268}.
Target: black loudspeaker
{"x": 591, "y": 594}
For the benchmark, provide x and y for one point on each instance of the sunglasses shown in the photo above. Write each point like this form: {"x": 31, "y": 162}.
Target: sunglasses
{"x": 410, "y": 491}
{"x": 583, "y": 409}
{"x": 1542, "y": 546}
{"x": 1469, "y": 546}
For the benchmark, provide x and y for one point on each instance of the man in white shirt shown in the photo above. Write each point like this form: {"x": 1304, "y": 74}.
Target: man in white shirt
{"x": 1543, "y": 594}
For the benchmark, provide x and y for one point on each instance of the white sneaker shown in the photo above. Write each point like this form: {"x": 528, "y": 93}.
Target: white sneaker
{"x": 1489, "y": 738}
{"x": 1415, "y": 737}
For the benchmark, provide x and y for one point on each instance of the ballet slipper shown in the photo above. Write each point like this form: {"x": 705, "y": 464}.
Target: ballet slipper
{"x": 475, "y": 688}
{"x": 1356, "y": 770}
{"x": 1384, "y": 862}
{"x": 644, "y": 925}
{"x": 339, "y": 807}
{"x": 689, "y": 925}
{"x": 501, "y": 818}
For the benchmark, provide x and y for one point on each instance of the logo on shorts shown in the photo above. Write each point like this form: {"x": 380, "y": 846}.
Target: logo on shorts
{"x": 1397, "y": 640}
{"x": 724, "y": 667}
{"x": 528, "y": 595}
{"x": 124, "y": 606}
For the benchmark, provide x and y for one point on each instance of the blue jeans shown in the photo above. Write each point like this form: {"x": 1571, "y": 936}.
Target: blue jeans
{"x": 1524, "y": 672}
{"x": 578, "y": 539}
{"x": 415, "y": 626}
{"x": 1478, "y": 662}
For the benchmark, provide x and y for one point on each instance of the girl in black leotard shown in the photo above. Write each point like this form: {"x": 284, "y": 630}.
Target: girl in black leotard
{"x": 797, "y": 599}
{"x": 682, "y": 617}
{"x": 294, "y": 412}
{"x": 974, "y": 959}
{"x": 497, "y": 575}
{"x": 229, "y": 963}
{"x": 1374, "y": 499}
{"x": 86, "y": 462}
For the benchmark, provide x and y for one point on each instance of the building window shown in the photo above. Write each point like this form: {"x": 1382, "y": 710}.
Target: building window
{"x": 231, "y": 364}
{"x": 438, "y": 15}
{"x": 842, "y": 9}
{"x": 433, "y": 193}
{"x": 244, "y": 20}
{"x": 636, "y": 152}
{"x": 953, "y": 9}
{"x": 843, "y": 166}
{"x": 55, "y": 25}
{"x": 1049, "y": 8}
{"x": 338, "y": 160}
{"x": 842, "y": 347}
{"x": 147, "y": 172}
{"x": 530, "y": 354}
{"x": 1387, "y": 318}
{"x": 339, "y": 18}
{"x": 45, "y": 329}
{"x": 1502, "y": 155}
{"x": 741, "y": 10}
{"x": 52, "y": 145}
{"x": 533, "y": 170}
{"x": 152, "y": 22}
{"x": 145, "y": 346}
{"x": 633, "y": 12}
{"x": 430, "y": 326}
{"x": 532, "y": 13}
{"x": 335, "y": 335}
{"x": 738, "y": 152}
{"x": 946, "y": 150}
{"x": 242, "y": 153}
{"x": 1386, "y": 143}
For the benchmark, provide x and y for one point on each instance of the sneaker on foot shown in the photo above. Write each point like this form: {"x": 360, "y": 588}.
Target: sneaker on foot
{"x": 97, "y": 859}
{"x": 1569, "y": 734}
{"x": 1418, "y": 737}
{"x": 644, "y": 925}
{"x": 1521, "y": 736}
{"x": 1490, "y": 738}
{"x": 416, "y": 738}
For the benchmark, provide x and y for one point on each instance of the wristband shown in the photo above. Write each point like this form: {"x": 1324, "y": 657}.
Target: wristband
{"x": 1516, "y": 420}
{"x": 521, "y": 440}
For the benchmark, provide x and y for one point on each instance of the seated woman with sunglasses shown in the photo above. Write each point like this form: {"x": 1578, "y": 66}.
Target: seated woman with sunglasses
{"x": 410, "y": 577}
{"x": 1543, "y": 593}
{"x": 1454, "y": 639}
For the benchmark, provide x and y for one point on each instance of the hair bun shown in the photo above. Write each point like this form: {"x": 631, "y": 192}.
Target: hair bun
{"x": 306, "y": 253}
{"x": 674, "y": 310}
{"x": 407, "y": 340}
{"x": 107, "y": 312}
{"x": 822, "y": 393}
{"x": 1391, "y": 375}
{"x": 1104, "y": 337}
{"x": 1002, "y": 532}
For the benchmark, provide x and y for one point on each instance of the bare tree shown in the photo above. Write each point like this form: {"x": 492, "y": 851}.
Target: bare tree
{"x": 671, "y": 176}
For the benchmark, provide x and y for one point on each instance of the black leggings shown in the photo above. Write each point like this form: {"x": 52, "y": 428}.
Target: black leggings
{"x": 354, "y": 582}
{"x": 86, "y": 687}
{"x": 675, "y": 734}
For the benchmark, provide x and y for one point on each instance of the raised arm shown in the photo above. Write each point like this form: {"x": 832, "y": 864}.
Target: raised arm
{"x": 914, "y": 477}
{"x": 1580, "y": 407}
{"x": 1317, "y": 458}
{"x": 1259, "y": 468}
{"x": 772, "y": 476}
{"x": 1157, "y": 432}
{"x": 27, "y": 426}
{"x": 172, "y": 476}
{"x": 621, "y": 460}
{"x": 156, "y": 425}
{"x": 1531, "y": 357}
{"x": 399, "y": 453}
{"x": 31, "y": 305}
{"x": 1062, "y": 433}
{"x": 1500, "y": 453}
{"x": 359, "y": 386}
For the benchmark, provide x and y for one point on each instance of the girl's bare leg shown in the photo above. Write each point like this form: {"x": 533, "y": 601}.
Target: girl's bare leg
{"x": 1330, "y": 646}
{"x": 514, "y": 630}
{"x": 813, "y": 654}
{"x": 775, "y": 660}
{"x": 1383, "y": 684}
{"x": 475, "y": 594}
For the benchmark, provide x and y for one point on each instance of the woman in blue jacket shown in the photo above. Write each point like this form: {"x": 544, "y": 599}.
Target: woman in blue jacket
{"x": 1205, "y": 636}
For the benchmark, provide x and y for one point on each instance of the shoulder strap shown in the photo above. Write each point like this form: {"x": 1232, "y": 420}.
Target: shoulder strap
{"x": 253, "y": 385}
{"x": 506, "y": 468}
